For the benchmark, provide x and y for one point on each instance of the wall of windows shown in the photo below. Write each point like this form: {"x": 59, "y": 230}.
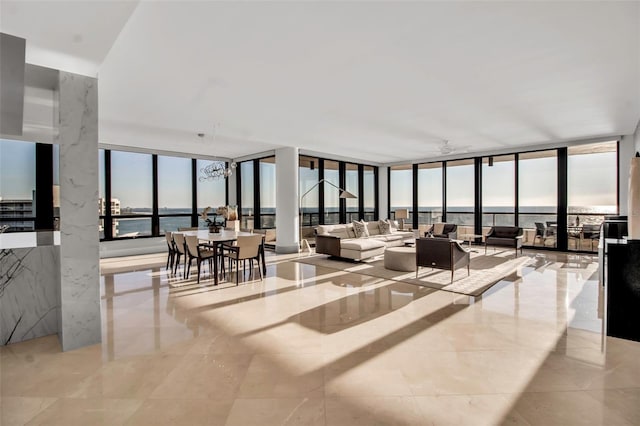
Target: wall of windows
{"x": 147, "y": 194}
{"x": 559, "y": 196}
{"x": 323, "y": 205}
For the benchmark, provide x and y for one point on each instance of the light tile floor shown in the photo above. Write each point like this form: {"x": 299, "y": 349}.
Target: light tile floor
{"x": 318, "y": 346}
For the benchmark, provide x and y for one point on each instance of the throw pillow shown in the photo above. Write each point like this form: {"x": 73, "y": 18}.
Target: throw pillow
{"x": 385, "y": 227}
{"x": 360, "y": 228}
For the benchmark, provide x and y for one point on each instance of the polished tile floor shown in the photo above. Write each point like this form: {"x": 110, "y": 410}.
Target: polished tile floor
{"x": 318, "y": 346}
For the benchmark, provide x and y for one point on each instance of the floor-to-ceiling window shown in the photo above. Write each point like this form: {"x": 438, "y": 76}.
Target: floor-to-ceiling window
{"x": 308, "y": 177}
{"x": 210, "y": 192}
{"x": 429, "y": 193}
{"x": 498, "y": 191}
{"x": 369, "y": 185}
{"x": 352, "y": 185}
{"x": 461, "y": 194}
{"x": 247, "y": 192}
{"x": 322, "y": 203}
{"x": 175, "y": 194}
{"x": 267, "y": 192}
{"x": 538, "y": 197}
{"x": 401, "y": 190}
{"x": 150, "y": 193}
{"x": 331, "y": 192}
{"x": 131, "y": 193}
{"x": 592, "y": 188}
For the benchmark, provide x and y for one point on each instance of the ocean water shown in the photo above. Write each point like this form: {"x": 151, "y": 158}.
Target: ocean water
{"x": 460, "y": 215}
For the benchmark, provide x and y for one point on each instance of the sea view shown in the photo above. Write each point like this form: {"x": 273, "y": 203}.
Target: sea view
{"x": 460, "y": 215}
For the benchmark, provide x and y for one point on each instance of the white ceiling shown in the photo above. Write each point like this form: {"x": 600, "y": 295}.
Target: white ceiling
{"x": 378, "y": 81}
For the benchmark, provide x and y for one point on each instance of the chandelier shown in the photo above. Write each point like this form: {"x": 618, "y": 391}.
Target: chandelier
{"x": 216, "y": 170}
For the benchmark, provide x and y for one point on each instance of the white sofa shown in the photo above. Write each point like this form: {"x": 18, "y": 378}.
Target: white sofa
{"x": 340, "y": 240}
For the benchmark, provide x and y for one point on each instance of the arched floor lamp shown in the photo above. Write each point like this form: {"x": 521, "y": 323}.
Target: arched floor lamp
{"x": 343, "y": 194}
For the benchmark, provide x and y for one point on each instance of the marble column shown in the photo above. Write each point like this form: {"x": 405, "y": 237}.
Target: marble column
{"x": 287, "y": 204}
{"x": 79, "y": 317}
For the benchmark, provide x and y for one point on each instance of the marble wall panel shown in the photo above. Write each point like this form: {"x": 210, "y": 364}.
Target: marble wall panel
{"x": 29, "y": 283}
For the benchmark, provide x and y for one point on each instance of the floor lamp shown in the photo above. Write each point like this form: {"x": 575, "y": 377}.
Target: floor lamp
{"x": 343, "y": 194}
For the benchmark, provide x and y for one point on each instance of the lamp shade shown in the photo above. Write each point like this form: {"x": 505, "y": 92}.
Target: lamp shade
{"x": 346, "y": 194}
{"x": 402, "y": 214}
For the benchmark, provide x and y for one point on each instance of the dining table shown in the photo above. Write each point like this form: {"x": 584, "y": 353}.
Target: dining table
{"x": 213, "y": 239}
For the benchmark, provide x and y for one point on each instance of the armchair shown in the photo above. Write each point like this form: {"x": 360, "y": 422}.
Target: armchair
{"x": 443, "y": 230}
{"x": 441, "y": 253}
{"x": 504, "y": 236}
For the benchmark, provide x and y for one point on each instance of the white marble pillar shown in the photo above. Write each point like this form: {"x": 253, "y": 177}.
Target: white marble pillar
{"x": 79, "y": 321}
{"x": 287, "y": 213}
{"x": 383, "y": 192}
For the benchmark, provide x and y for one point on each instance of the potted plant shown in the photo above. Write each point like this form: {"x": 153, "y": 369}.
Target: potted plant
{"x": 213, "y": 225}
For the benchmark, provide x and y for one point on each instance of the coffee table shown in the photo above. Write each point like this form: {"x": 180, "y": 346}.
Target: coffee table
{"x": 469, "y": 238}
{"x": 400, "y": 259}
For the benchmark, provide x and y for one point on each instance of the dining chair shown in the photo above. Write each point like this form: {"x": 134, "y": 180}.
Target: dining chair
{"x": 179, "y": 243}
{"x": 172, "y": 250}
{"x": 246, "y": 247}
{"x": 199, "y": 252}
{"x": 541, "y": 232}
{"x": 591, "y": 232}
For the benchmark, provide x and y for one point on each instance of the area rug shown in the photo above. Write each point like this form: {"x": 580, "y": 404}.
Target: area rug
{"x": 485, "y": 271}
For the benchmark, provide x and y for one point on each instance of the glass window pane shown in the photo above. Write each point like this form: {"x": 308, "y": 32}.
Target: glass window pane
{"x": 538, "y": 197}
{"x": 131, "y": 227}
{"x": 401, "y": 189}
{"x": 498, "y": 191}
{"x": 174, "y": 185}
{"x": 173, "y": 223}
{"x": 268, "y": 192}
{"x": 369, "y": 196}
{"x": 131, "y": 192}
{"x": 460, "y": 192}
{"x": 592, "y": 192}
{"x": 17, "y": 184}
{"x": 211, "y": 193}
{"x": 246, "y": 193}
{"x": 351, "y": 185}
{"x": 429, "y": 193}
{"x": 308, "y": 173}
{"x": 331, "y": 193}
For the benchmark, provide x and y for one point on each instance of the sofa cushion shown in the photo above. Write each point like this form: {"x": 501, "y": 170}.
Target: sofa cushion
{"x": 360, "y": 229}
{"x": 438, "y": 228}
{"x": 361, "y": 244}
{"x": 373, "y": 228}
{"x": 384, "y": 226}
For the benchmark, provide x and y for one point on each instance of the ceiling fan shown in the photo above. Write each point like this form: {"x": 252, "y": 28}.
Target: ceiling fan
{"x": 445, "y": 148}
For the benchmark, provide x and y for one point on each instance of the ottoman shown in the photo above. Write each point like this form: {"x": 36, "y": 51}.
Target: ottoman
{"x": 400, "y": 259}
